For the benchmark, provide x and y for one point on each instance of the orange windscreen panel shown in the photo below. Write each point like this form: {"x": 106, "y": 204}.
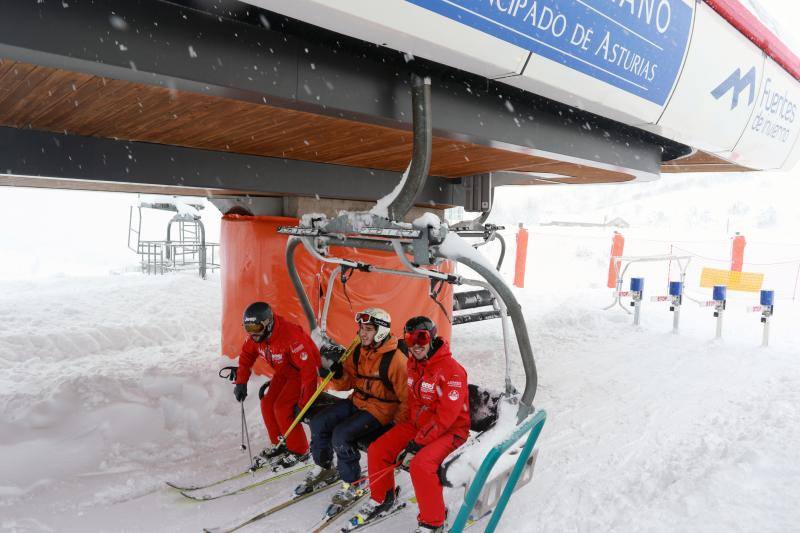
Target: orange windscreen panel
{"x": 254, "y": 268}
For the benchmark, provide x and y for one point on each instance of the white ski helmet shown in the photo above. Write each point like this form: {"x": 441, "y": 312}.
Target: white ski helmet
{"x": 378, "y": 318}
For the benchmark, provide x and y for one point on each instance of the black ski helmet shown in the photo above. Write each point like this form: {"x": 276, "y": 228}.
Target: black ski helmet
{"x": 423, "y": 323}
{"x": 258, "y": 314}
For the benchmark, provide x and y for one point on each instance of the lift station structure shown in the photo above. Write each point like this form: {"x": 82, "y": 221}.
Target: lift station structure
{"x": 294, "y": 117}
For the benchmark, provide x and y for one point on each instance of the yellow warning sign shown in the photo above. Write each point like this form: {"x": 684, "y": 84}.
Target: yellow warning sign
{"x": 735, "y": 281}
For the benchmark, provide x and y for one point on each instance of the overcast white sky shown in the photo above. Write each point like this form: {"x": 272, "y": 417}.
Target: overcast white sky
{"x": 786, "y": 13}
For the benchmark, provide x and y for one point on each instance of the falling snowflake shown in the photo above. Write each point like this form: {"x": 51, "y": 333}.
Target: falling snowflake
{"x": 118, "y": 23}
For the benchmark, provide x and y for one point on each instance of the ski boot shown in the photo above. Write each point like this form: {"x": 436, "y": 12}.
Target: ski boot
{"x": 288, "y": 460}
{"x": 346, "y": 495}
{"x": 422, "y": 527}
{"x": 372, "y": 510}
{"x": 318, "y": 477}
{"x": 268, "y": 456}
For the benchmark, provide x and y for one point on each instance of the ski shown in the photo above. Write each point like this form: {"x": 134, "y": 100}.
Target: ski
{"x": 391, "y": 514}
{"x": 472, "y": 521}
{"x": 328, "y": 519}
{"x": 272, "y": 510}
{"x": 207, "y": 496}
{"x": 232, "y": 477}
{"x": 377, "y": 520}
{"x": 210, "y": 484}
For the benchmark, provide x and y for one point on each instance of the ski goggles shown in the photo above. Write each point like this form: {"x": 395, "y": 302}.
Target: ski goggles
{"x": 366, "y": 318}
{"x": 418, "y": 337}
{"x": 254, "y": 328}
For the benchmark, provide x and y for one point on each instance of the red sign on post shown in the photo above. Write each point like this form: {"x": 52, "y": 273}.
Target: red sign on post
{"x": 737, "y": 252}
{"x": 617, "y": 245}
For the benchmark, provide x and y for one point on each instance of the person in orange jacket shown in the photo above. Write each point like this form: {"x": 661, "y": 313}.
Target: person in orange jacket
{"x": 376, "y": 372}
{"x": 295, "y": 359}
{"x": 438, "y": 423}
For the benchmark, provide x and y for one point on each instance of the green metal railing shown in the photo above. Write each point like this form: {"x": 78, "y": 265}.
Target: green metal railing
{"x": 532, "y": 427}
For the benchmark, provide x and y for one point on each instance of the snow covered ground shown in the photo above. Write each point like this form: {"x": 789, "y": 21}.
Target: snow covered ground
{"x": 110, "y": 388}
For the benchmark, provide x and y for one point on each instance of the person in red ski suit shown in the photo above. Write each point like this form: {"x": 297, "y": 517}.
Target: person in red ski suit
{"x": 295, "y": 360}
{"x": 438, "y": 422}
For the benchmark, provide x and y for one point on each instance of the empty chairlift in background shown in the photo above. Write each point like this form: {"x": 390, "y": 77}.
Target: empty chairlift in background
{"x": 185, "y": 246}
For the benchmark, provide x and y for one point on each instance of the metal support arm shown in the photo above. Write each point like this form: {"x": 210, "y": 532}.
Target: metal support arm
{"x": 291, "y": 246}
{"x": 421, "y": 155}
{"x": 520, "y": 330}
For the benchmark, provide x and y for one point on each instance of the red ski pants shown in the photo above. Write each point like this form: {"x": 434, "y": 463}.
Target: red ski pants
{"x": 424, "y": 467}
{"x": 278, "y": 410}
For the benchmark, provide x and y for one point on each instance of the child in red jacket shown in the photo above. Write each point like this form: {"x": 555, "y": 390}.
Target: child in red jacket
{"x": 295, "y": 359}
{"x": 437, "y": 423}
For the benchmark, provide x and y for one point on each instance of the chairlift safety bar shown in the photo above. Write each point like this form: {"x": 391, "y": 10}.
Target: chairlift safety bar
{"x": 531, "y": 427}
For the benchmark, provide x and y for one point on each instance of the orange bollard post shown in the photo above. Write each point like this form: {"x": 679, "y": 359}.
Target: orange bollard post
{"x": 617, "y": 246}
{"x": 737, "y": 252}
{"x": 522, "y": 255}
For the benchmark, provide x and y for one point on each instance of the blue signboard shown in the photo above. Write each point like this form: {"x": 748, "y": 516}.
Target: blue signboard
{"x": 634, "y": 45}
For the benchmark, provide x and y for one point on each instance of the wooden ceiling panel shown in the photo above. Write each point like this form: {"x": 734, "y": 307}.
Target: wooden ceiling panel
{"x": 58, "y": 100}
{"x": 12, "y": 79}
{"x": 701, "y": 161}
{"x": 572, "y": 170}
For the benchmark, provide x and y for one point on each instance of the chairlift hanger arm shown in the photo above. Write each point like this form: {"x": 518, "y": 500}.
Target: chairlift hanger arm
{"x": 291, "y": 246}
{"x": 520, "y": 330}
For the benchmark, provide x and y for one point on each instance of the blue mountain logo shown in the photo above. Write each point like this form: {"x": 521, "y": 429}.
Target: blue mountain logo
{"x": 737, "y": 83}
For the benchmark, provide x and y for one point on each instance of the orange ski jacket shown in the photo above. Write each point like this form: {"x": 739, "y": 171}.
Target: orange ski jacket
{"x": 362, "y": 373}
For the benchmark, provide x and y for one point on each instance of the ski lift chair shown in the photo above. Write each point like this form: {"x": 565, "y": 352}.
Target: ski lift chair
{"x": 430, "y": 245}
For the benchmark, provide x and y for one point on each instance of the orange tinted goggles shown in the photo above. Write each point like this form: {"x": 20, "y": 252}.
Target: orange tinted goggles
{"x": 254, "y": 327}
{"x": 418, "y": 337}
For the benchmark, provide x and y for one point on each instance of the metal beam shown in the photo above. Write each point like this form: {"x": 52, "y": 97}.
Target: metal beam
{"x": 137, "y": 166}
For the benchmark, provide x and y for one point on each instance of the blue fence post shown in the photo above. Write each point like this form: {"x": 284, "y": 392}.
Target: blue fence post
{"x": 676, "y": 295}
{"x": 767, "y": 300}
{"x": 637, "y": 290}
{"x": 720, "y": 295}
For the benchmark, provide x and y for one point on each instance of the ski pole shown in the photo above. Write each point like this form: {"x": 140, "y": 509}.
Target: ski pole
{"x": 246, "y": 433}
{"x": 320, "y": 388}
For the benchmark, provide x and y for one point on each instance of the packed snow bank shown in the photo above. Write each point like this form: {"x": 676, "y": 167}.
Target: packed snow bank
{"x": 653, "y": 431}
{"x": 103, "y": 375}
{"x": 114, "y": 390}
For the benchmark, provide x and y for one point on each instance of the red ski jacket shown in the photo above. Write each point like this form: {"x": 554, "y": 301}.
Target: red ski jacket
{"x": 438, "y": 397}
{"x": 290, "y": 352}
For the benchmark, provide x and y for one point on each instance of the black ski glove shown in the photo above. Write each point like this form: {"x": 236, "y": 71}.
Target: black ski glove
{"x": 330, "y": 355}
{"x": 404, "y": 458}
{"x": 240, "y": 391}
{"x": 336, "y": 368}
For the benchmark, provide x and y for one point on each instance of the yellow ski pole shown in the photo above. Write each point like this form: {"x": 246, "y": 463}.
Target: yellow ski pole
{"x": 325, "y": 381}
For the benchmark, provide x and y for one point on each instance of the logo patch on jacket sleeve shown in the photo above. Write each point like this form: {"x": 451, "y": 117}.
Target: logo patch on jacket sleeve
{"x": 454, "y": 383}
{"x": 453, "y": 395}
{"x": 303, "y": 356}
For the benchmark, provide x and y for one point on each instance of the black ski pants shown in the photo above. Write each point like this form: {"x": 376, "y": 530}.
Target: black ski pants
{"x": 337, "y": 429}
